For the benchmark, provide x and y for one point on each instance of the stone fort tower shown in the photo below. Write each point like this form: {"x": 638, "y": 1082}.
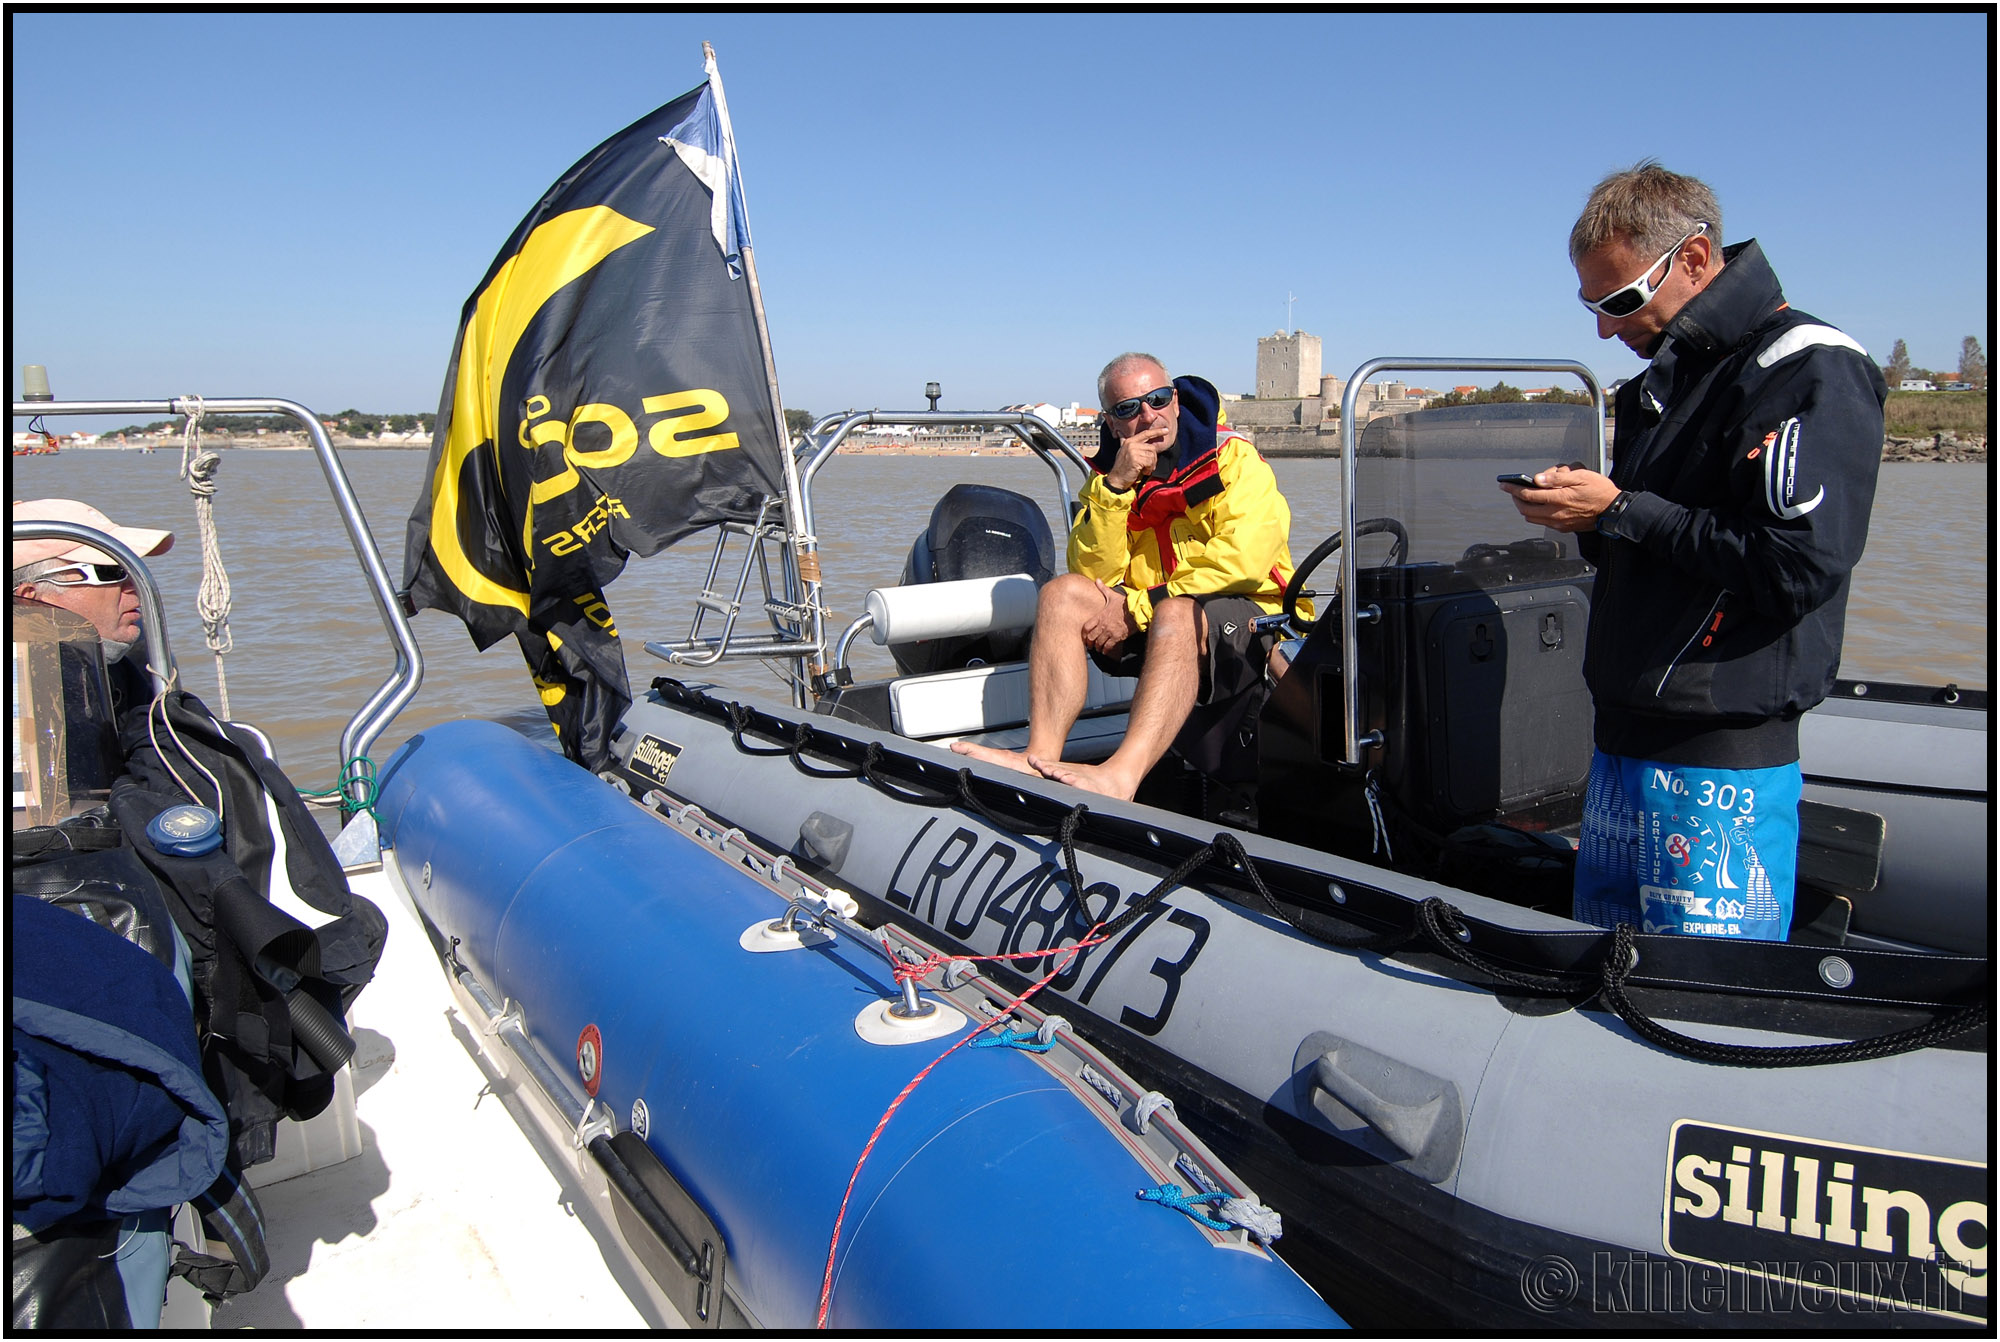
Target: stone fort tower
{"x": 1287, "y": 366}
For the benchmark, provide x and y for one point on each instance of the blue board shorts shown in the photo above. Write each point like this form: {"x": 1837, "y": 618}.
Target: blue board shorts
{"x": 1702, "y": 852}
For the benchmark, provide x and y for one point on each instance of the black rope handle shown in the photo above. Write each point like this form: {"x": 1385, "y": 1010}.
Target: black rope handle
{"x": 871, "y": 759}
{"x": 1440, "y": 921}
{"x": 1232, "y": 848}
{"x": 1192, "y": 863}
{"x": 1188, "y": 866}
{"x": 998, "y": 821}
{"x": 801, "y": 737}
{"x": 1066, "y": 832}
{"x": 739, "y": 722}
{"x": 1620, "y": 960}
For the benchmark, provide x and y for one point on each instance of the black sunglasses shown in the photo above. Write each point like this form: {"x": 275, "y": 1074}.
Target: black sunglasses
{"x": 1158, "y": 398}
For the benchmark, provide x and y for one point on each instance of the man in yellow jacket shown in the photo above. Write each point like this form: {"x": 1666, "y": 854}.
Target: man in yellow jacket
{"x": 1180, "y": 545}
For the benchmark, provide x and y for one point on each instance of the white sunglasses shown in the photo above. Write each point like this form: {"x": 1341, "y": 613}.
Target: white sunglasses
{"x": 1625, "y": 301}
{"x": 86, "y": 575}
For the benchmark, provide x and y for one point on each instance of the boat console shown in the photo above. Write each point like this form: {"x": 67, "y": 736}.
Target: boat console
{"x": 1468, "y": 637}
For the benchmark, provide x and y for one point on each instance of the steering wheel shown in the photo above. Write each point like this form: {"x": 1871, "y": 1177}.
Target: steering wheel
{"x": 1399, "y": 546}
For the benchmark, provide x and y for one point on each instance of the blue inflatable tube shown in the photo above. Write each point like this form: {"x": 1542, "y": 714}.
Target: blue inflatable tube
{"x": 994, "y": 1199}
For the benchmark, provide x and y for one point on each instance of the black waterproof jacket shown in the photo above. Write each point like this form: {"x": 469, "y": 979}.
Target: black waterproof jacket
{"x": 1750, "y": 448}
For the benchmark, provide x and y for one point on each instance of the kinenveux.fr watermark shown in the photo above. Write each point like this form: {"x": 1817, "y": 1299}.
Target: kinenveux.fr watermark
{"x": 1640, "y": 1284}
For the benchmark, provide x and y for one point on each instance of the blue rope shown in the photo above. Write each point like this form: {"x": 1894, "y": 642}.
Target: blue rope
{"x": 1170, "y": 1195}
{"x": 1021, "y": 1039}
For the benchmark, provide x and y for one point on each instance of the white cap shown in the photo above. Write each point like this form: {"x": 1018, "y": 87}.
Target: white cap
{"x": 142, "y": 540}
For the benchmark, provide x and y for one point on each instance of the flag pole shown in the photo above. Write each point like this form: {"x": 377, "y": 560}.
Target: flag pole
{"x": 805, "y": 545}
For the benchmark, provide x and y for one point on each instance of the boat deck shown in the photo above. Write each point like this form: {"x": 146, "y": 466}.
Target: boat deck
{"x": 449, "y": 1217}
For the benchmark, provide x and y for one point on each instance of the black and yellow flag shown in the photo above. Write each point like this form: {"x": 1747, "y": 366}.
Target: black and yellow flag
{"x": 607, "y": 396}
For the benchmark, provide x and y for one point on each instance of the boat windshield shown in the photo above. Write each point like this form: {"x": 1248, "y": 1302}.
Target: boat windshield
{"x": 1432, "y": 474}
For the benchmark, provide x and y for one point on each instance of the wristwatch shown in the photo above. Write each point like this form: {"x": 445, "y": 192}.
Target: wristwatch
{"x": 1608, "y": 521}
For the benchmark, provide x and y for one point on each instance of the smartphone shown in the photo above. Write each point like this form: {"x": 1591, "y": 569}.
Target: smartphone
{"x": 1518, "y": 478}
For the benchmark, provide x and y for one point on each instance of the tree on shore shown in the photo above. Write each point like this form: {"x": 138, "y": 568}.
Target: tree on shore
{"x": 1972, "y": 363}
{"x": 1500, "y": 393}
{"x": 1899, "y": 366}
{"x": 353, "y": 423}
{"x": 798, "y": 422}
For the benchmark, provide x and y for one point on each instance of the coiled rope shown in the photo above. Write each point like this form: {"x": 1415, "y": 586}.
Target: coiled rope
{"x": 356, "y": 791}
{"x": 212, "y": 600}
{"x": 1229, "y": 1211}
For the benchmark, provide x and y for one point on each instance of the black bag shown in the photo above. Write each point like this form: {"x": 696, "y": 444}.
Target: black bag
{"x": 89, "y": 869}
{"x": 270, "y": 991}
{"x": 67, "y": 1278}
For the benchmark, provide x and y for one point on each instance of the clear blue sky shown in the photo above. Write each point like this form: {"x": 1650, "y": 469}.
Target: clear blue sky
{"x": 299, "y": 205}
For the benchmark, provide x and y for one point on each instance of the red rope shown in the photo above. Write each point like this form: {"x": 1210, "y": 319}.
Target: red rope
{"x": 905, "y": 971}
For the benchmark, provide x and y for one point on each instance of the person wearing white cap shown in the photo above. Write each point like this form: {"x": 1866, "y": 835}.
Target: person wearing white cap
{"x": 80, "y": 578}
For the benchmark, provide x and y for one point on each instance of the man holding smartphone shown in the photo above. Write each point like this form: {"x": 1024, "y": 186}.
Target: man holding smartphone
{"x": 1181, "y": 543}
{"x": 1737, "y": 506}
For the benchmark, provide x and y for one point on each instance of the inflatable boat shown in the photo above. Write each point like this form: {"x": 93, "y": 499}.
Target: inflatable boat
{"x": 852, "y": 1031}
{"x": 1346, "y": 955}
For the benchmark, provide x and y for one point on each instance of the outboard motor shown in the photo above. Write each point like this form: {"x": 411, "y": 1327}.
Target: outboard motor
{"x": 976, "y": 531}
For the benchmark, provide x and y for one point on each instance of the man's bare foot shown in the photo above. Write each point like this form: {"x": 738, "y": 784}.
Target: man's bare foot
{"x": 1007, "y": 759}
{"x": 1098, "y": 778}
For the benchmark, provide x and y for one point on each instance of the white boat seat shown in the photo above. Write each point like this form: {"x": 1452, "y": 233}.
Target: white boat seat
{"x": 989, "y": 705}
{"x": 920, "y": 611}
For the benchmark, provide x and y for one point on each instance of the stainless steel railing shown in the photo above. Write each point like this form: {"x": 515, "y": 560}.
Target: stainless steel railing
{"x": 375, "y": 715}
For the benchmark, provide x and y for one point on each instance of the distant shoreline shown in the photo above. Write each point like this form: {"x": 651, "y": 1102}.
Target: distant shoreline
{"x": 1936, "y": 447}
{"x": 296, "y": 442}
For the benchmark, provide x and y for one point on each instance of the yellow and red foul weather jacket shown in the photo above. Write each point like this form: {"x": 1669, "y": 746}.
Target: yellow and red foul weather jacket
{"x": 1215, "y": 525}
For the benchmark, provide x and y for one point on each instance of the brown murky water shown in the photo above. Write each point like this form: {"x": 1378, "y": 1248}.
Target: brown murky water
{"x": 310, "y": 647}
